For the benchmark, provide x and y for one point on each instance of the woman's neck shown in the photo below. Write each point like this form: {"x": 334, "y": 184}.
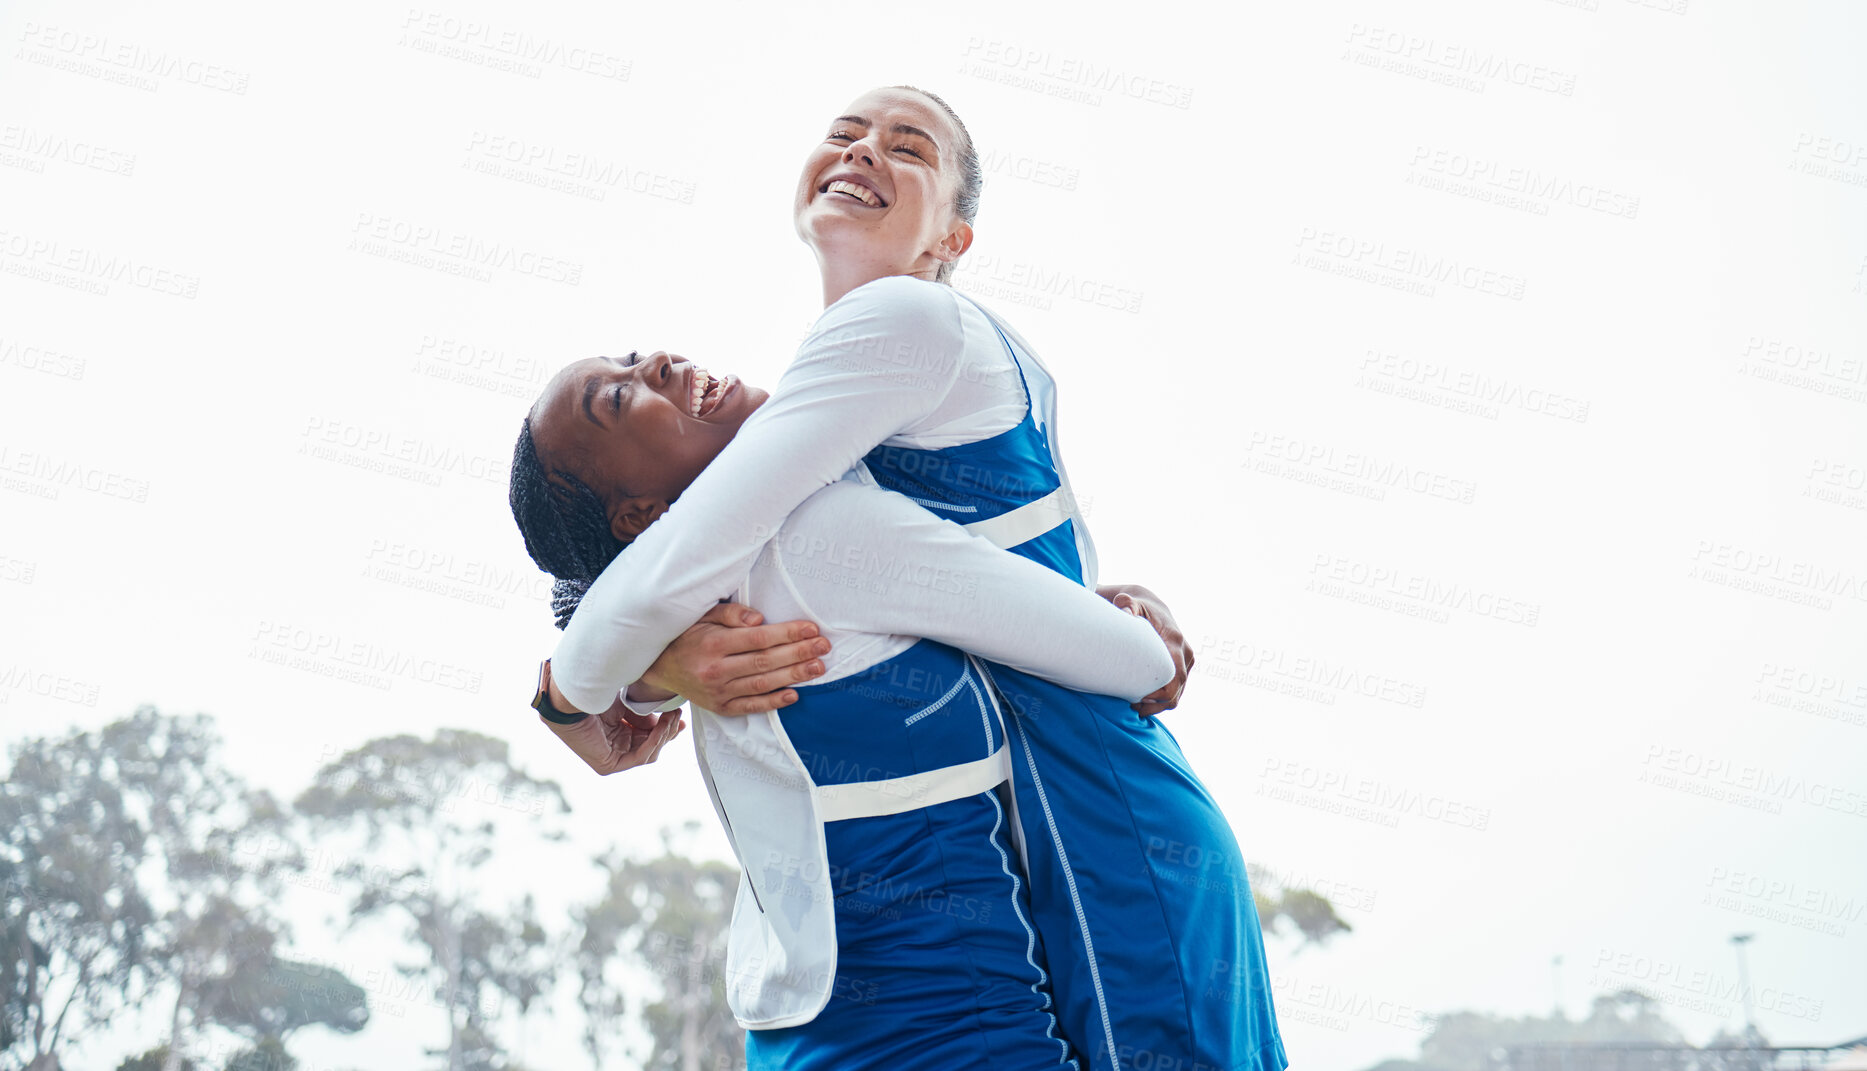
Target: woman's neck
{"x": 843, "y": 274}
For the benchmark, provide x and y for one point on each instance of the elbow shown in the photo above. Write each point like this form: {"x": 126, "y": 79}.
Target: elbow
{"x": 1160, "y": 670}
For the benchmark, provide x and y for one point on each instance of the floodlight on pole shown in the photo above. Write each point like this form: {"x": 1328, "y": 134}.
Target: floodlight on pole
{"x": 1743, "y": 985}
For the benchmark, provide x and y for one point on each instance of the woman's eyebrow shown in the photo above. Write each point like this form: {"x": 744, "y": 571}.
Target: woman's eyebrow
{"x": 589, "y": 392}
{"x": 898, "y": 128}
{"x": 903, "y": 128}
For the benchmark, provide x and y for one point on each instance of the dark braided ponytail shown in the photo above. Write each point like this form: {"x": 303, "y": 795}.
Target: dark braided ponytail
{"x": 566, "y": 596}
{"x": 565, "y": 526}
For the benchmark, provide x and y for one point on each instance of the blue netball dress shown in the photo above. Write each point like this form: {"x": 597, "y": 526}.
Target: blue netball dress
{"x": 1138, "y": 888}
{"x": 936, "y": 963}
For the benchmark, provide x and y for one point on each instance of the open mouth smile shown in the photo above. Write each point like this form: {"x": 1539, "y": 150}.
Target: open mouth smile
{"x": 855, "y": 191}
{"x": 705, "y": 393}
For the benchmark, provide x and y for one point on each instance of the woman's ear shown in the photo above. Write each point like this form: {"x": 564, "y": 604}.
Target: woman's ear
{"x": 955, "y": 244}
{"x": 628, "y": 516}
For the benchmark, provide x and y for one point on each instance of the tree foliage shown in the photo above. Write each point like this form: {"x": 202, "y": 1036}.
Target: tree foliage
{"x": 136, "y": 868}
{"x": 1308, "y": 913}
{"x": 128, "y": 869}
{"x": 75, "y": 921}
{"x": 670, "y": 914}
{"x": 433, "y": 809}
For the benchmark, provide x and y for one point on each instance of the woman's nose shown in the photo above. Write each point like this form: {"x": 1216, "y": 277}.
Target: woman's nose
{"x": 860, "y": 150}
{"x": 660, "y": 367}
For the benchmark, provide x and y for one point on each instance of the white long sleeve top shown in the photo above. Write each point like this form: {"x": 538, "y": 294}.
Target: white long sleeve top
{"x": 899, "y": 362}
{"x": 877, "y": 572}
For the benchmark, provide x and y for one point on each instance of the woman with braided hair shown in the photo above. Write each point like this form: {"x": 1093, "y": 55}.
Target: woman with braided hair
{"x": 1137, "y": 885}
{"x": 899, "y": 752}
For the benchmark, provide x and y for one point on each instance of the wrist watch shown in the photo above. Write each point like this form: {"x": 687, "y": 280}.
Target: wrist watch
{"x": 542, "y": 701}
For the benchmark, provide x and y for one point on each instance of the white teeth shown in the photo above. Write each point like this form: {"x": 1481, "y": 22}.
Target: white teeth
{"x": 859, "y": 192}
{"x": 701, "y": 379}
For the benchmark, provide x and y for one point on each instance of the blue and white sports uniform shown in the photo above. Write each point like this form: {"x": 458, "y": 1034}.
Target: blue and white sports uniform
{"x": 1156, "y": 964}
{"x": 1140, "y": 889}
{"x": 883, "y": 920}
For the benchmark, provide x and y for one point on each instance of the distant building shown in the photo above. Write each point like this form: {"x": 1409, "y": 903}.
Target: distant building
{"x": 1586, "y": 1056}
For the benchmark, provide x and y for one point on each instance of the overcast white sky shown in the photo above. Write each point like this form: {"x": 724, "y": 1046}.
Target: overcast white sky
{"x": 1556, "y": 309}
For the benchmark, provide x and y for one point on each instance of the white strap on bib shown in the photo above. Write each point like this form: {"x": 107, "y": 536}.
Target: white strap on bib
{"x": 869, "y": 799}
{"x": 1028, "y": 521}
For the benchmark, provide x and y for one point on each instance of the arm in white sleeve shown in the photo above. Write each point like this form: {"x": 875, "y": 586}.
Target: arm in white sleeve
{"x": 879, "y": 360}
{"x": 647, "y": 706}
{"x": 870, "y": 560}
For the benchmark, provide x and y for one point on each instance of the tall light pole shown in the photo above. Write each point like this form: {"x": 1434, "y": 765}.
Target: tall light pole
{"x": 1555, "y": 974}
{"x": 1743, "y": 985}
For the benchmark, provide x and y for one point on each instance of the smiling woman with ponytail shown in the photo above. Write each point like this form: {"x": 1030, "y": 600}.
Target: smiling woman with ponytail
{"x": 941, "y": 400}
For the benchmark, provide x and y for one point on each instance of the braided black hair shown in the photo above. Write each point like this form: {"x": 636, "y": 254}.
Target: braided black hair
{"x": 565, "y": 526}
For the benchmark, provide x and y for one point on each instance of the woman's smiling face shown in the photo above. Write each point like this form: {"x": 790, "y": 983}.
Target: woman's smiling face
{"x": 637, "y": 429}
{"x": 882, "y": 183}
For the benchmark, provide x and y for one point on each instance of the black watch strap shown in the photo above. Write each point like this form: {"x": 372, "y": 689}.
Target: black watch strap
{"x": 543, "y": 705}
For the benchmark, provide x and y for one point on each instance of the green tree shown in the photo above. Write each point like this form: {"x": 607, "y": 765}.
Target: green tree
{"x": 220, "y": 855}
{"x": 670, "y": 914}
{"x": 430, "y": 810}
{"x": 1309, "y": 913}
{"x": 75, "y": 920}
{"x": 153, "y": 1060}
{"x": 131, "y": 861}
{"x": 283, "y": 995}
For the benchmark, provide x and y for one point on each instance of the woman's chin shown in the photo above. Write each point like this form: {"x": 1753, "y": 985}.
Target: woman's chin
{"x": 829, "y": 227}
{"x": 745, "y": 401}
